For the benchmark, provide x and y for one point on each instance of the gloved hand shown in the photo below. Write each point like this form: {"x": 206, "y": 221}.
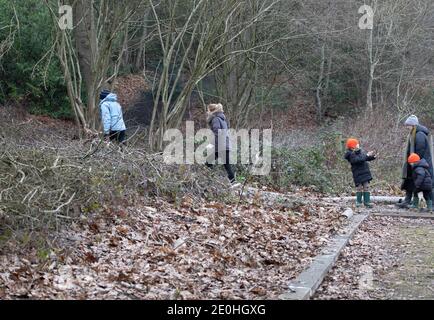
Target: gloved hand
{"x": 106, "y": 140}
{"x": 372, "y": 154}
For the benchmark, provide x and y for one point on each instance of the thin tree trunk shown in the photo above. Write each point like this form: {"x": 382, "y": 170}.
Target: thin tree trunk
{"x": 319, "y": 85}
{"x": 86, "y": 45}
{"x": 369, "y": 104}
{"x": 140, "y": 57}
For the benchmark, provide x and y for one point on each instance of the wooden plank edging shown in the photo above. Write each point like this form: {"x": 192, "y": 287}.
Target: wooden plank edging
{"x": 306, "y": 284}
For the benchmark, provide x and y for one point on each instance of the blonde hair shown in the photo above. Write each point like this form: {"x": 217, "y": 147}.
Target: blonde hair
{"x": 215, "y": 107}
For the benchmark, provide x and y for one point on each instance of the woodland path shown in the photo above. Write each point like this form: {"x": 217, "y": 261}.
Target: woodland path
{"x": 389, "y": 258}
{"x": 222, "y": 251}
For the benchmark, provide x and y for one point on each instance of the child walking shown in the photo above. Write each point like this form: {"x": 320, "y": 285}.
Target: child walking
{"x": 358, "y": 159}
{"x": 422, "y": 180}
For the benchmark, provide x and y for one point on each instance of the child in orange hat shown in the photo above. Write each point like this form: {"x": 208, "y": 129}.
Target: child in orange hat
{"x": 422, "y": 180}
{"x": 358, "y": 159}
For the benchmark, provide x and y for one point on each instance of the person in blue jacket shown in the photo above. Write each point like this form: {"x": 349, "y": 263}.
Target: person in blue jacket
{"x": 111, "y": 117}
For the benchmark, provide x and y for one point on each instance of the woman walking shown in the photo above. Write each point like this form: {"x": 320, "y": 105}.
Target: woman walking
{"x": 219, "y": 126}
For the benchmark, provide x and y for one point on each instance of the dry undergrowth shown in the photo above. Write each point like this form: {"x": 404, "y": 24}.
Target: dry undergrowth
{"x": 48, "y": 179}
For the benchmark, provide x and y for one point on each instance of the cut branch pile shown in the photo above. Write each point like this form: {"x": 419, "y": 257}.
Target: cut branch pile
{"x": 49, "y": 180}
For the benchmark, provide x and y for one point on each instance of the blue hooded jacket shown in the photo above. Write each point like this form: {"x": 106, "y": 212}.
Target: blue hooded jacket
{"x": 111, "y": 114}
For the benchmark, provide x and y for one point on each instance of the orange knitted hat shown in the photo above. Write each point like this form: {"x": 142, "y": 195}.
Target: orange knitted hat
{"x": 414, "y": 157}
{"x": 352, "y": 143}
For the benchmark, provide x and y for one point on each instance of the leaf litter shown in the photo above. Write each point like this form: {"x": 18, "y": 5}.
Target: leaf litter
{"x": 196, "y": 250}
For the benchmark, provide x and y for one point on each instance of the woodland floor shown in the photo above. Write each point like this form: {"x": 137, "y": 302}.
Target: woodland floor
{"x": 216, "y": 251}
{"x": 388, "y": 258}
{"x": 158, "y": 251}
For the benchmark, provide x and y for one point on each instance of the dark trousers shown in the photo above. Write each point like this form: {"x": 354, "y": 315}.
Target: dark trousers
{"x": 227, "y": 165}
{"x": 410, "y": 188}
{"x": 118, "y": 136}
{"x": 427, "y": 194}
{"x": 411, "y": 191}
{"x": 363, "y": 187}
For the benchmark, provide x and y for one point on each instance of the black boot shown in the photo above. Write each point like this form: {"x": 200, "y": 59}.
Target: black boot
{"x": 407, "y": 201}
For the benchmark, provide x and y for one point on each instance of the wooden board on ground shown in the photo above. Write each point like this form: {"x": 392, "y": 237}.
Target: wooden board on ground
{"x": 404, "y": 214}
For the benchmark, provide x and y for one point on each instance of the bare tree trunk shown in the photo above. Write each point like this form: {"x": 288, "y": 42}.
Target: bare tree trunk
{"x": 200, "y": 46}
{"x": 140, "y": 57}
{"x": 319, "y": 85}
{"x": 83, "y": 37}
{"x": 85, "y": 52}
{"x": 329, "y": 71}
{"x": 369, "y": 105}
{"x": 86, "y": 46}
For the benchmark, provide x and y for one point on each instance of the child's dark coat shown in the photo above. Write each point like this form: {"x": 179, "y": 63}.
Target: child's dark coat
{"x": 359, "y": 165}
{"x": 421, "y": 176}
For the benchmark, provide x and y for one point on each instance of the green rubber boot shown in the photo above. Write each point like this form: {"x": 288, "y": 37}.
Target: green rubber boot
{"x": 415, "y": 204}
{"x": 359, "y": 199}
{"x": 367, "y": 199}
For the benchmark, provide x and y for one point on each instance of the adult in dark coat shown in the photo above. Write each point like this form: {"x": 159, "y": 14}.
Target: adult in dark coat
{"x": 419, "y": 141}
